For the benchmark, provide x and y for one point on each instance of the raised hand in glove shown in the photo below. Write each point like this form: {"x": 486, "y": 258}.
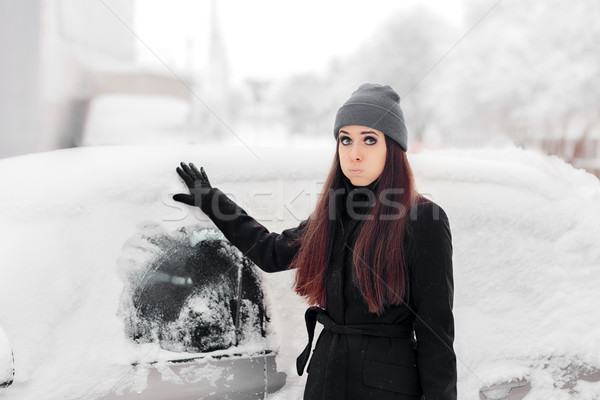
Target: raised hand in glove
{"x": 196, "y": 181}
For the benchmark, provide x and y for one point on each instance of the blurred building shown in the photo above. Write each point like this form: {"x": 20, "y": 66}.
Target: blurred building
{"x": 577, "y": 141}
{"x": 213, "y": 111}
{"x": 50, "y": 51}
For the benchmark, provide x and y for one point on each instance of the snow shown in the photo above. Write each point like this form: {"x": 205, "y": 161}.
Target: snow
{"x": 205, "y": 234}
{"x": 526, "y": 260}
{"x": 6, "y": 359}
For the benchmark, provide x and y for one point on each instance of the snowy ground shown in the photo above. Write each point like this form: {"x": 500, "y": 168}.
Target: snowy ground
{"x": 525, "y": 230}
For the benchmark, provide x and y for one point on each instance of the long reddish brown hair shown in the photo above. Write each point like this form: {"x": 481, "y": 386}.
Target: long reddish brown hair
{"x": 378, "y": 259}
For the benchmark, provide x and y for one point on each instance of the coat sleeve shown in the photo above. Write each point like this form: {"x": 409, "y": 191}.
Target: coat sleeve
{"x": 271, "y": 252}
{"x": 433, "y": 295}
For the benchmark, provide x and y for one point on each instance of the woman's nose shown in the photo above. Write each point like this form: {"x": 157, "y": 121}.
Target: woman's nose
{"x": 355, "y": 153}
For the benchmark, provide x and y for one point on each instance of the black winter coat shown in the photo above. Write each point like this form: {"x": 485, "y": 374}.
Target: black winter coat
{"x": 348, "y": 364}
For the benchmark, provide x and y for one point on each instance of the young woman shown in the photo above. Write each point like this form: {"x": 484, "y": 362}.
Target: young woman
{"x": 374, "y": 260}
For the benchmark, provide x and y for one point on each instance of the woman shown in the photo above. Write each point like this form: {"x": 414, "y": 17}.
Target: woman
{"x": 374, "y": 260}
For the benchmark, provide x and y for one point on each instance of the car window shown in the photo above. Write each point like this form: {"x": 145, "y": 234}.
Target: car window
{"x": 190, "y": 291}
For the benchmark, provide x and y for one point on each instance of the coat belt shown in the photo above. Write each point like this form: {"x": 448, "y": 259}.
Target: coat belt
{"x": 316, "y": 314}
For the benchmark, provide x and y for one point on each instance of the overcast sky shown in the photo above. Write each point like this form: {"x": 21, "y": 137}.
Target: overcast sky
{"x": 267, "y": 38}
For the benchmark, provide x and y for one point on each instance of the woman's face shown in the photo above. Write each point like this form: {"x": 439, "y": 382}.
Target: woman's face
{"x": 362, "y": 152}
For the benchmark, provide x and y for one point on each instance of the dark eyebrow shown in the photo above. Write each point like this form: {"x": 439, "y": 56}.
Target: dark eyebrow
{"x": 362, "y": 133}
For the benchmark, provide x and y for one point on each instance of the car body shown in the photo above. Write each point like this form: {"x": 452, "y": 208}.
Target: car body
{"x": 229, "y": 376}
{"x": 7, "y": 361}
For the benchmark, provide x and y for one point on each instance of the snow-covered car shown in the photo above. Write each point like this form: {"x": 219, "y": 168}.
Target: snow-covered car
{"x": 526, "y": 266}
{"x": 7, "y": 368}
{"x": 120, "y": 296}
{"x": 91, "y": 241}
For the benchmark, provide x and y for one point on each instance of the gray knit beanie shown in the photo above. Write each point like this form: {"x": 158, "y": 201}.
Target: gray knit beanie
{"x": 377, "y": 107}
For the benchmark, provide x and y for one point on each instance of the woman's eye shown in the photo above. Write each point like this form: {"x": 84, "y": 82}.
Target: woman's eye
{"x": 368, "y": 140}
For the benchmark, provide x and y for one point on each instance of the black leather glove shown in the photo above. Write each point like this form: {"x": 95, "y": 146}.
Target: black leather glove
{"x": 196, "y": 181}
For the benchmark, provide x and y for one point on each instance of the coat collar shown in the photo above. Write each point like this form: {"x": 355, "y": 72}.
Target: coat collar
{"x": 359, "y": 198}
